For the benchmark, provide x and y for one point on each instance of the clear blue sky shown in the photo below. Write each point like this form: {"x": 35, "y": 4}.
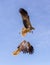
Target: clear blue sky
{"x": 11, "y": 25}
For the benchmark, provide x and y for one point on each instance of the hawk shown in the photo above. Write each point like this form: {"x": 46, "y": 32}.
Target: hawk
{"x": 26, "y": 21}
{"x": 24, "y": 47}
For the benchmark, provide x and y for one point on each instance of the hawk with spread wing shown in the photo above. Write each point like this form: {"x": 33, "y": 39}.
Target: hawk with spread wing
{"x": 25, "y": 47}
{"x": 26, "y": 21}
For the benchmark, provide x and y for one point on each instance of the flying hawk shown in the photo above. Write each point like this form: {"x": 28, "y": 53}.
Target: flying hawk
{"x": 25, "y": 47}
{"x": 26, "y": 21}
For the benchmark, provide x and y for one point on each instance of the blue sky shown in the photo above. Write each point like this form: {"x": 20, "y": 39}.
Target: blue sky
{"x": 11, "y": 25}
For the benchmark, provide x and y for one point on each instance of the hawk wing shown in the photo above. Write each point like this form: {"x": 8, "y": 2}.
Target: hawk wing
{"x": 25, "y": 18}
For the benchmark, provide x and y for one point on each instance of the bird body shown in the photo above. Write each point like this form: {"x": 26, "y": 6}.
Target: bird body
{"x": 26, "y": 21}
{"x": 25, "y": 47}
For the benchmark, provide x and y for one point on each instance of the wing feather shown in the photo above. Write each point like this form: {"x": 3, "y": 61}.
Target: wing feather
{"x": 25, "y": 17}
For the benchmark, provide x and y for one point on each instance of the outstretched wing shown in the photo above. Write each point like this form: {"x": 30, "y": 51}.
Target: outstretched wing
{"x": 25, "y": 18}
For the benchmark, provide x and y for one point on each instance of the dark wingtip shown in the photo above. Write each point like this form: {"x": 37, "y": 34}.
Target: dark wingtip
{"x": 31, "y": 50}
{"x": 22, "y": 10}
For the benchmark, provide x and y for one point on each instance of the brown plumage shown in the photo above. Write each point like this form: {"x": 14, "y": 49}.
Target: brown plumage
{"x": 26, "y": 21}
{"x": 25, "y": 47}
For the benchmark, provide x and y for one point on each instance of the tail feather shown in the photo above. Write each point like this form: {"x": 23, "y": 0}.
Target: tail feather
{"x": 16, "y": 52}
{"x": 32, "y": 28}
